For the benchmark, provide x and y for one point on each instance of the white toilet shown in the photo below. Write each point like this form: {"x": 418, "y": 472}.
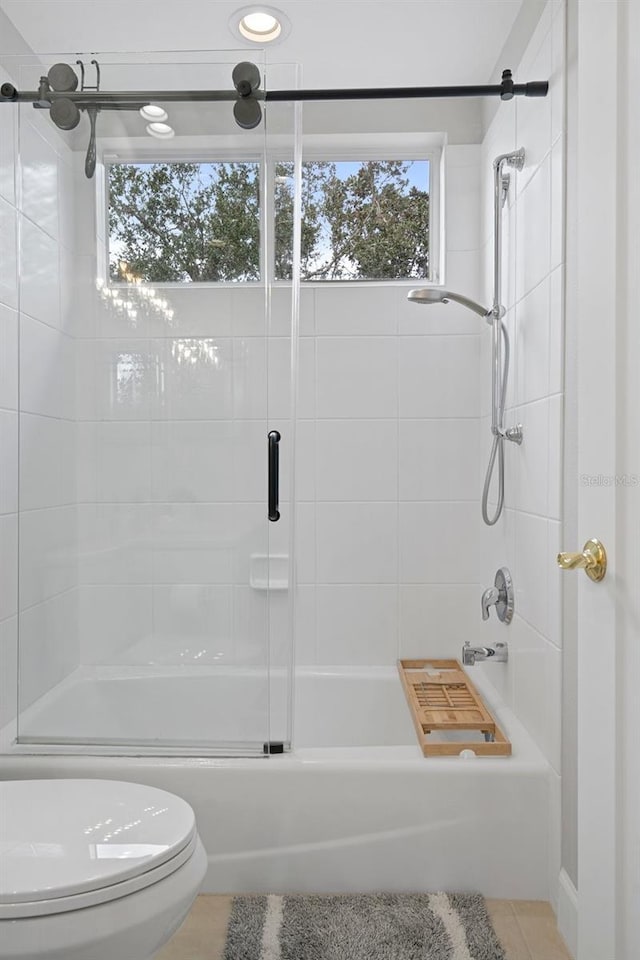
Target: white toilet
{"x": 94, "y": 869}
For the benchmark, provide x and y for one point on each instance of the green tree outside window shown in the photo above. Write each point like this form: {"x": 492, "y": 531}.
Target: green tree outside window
{"x": 200, "y": 222}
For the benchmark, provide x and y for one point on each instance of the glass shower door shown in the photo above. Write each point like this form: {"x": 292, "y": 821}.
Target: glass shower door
{"x": 144, "y": 418}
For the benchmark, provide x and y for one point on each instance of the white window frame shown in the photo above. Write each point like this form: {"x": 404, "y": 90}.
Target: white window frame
{"x": 329, "y": 147}
{"x": 364, "y": 147}
{"x": 220, "y": 155}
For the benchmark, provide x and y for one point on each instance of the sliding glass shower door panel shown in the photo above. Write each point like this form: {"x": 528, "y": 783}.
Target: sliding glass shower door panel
{"x": 144, "y": 395}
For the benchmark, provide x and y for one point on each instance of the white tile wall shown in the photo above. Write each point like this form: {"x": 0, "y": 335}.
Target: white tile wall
{"x": 114, "y": 543}
{"x": 198, "y": 615}
{"x": 527, "y": 538}
{"x": 47, "y": 462}
{"x": 39, "y": 176}
{"x": 8, "y": 463}
{"x": 357, "y": 623}
{"x": 8, "y": 420}
{"x": 46, "y": 370}
{"x": 29, "y": 231}
{"x": 343, "y": 315}
{"x": 438, "y": 459}
{"x": 390, "y": 480}
{"x": 8, "y": 566}
{"x": 48, "y": 647}
{"x": 8, "y": 670}
{"x": 438, "y": 376}
{"x": 39, "y": 274}
{"x": 357, "y": 542}
{"x": 356, "y": 460}
{"x": 8, "y": 358}
{"x": 112, "y": 618}
{"x": 8, "y": 121}
{"x": 439, "y": 542}
{"x": 48, "y": 554}
{"x": 113, "y": 462}
{"x": 357, "y": 377}
{"x": 437, "y": 618}
{"x": 9, "y": 260}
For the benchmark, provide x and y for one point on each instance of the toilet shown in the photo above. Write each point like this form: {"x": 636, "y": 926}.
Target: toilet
{"x": 94, "y": 869}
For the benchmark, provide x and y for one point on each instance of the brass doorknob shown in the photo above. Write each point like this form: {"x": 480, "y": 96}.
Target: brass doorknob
{"x": 593, "y": 560}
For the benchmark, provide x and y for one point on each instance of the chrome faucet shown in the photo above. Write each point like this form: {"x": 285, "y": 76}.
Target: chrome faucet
{"x": 499, "y": 596}
{"x": 472, "y": 655}
{"x": 490, "y": 598}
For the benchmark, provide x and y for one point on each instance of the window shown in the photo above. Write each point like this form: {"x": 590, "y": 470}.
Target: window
{"x": 361, "y": 219}
{"x": 184, "y": 222}
{"x": 194, "y": 222}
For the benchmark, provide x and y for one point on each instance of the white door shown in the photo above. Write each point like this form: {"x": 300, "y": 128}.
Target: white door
{"x": 607, "y": 299}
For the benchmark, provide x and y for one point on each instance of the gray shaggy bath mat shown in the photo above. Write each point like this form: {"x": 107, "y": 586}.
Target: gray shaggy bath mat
{"x": 384, "y": 926}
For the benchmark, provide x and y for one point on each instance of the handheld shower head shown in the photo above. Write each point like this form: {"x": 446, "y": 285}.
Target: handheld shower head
{"x": 435, "y": 295}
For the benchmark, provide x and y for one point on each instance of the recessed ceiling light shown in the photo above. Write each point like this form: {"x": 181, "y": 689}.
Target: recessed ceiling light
{"x": 160, "y": 130}
{"x": 153, "y": 113}
{"x": 259, "y": 24}
{"x": 260, "y": 27}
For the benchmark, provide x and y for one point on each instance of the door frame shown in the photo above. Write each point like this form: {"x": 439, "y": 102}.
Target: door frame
{"x": 602, "y": 294}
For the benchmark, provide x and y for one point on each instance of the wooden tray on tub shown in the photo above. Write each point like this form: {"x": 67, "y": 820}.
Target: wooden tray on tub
{"x": 443, "y": 701}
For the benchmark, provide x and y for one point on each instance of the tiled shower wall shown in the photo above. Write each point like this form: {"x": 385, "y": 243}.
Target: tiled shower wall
{"x": 35, "y": 216}
{"x": 388, "y": 444}
{"x": 8, "y": 417}
{"x": 172, "y": 473}
{"x": 528, "y": 536}
{"x": 387, "y": 464}
{"x": 388, "y": 458}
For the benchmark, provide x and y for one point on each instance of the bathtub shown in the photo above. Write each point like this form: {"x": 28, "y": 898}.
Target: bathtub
{"x": 353, "y": 807}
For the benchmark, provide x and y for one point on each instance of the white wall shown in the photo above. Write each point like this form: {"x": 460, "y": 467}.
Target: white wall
{"x": 388, "y": 458}
{"x": 8, "y": 417}
{"x": 528, "y": 536}
{"x": 171, "y": 471}
{"x": 37, "y": 264}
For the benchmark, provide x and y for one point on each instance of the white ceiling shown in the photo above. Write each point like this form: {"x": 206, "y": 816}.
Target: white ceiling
{"x": 338, "y": 42}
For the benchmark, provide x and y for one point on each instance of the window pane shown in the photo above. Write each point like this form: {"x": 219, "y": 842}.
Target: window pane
{"x": 361, "y": 220}
{"x": 184, "y": 222}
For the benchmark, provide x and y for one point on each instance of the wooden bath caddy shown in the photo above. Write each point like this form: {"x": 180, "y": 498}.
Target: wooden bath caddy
{"x": 442, "y": 698}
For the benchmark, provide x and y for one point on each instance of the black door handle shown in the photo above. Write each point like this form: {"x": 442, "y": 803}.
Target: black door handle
{"x": 274, "y": 474}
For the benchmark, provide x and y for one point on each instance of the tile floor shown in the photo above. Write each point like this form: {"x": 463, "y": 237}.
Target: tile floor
{"x": 527, "y": 929}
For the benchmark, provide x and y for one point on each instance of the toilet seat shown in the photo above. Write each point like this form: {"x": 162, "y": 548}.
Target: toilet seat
{"x": 70, "y": 844}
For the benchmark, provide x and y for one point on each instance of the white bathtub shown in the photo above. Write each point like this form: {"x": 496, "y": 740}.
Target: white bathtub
{"x": 354, "y": 807}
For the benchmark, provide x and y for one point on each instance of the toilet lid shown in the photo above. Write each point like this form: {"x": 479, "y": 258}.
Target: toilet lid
{"x": 59, "y": 838}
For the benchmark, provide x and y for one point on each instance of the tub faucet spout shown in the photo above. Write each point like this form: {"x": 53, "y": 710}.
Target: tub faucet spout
{"x": 471, "y": 655}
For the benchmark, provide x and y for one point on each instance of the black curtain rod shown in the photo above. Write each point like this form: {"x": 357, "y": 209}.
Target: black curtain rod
{"x": 123, "y": 99}
{"x": 537, "y": 88}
